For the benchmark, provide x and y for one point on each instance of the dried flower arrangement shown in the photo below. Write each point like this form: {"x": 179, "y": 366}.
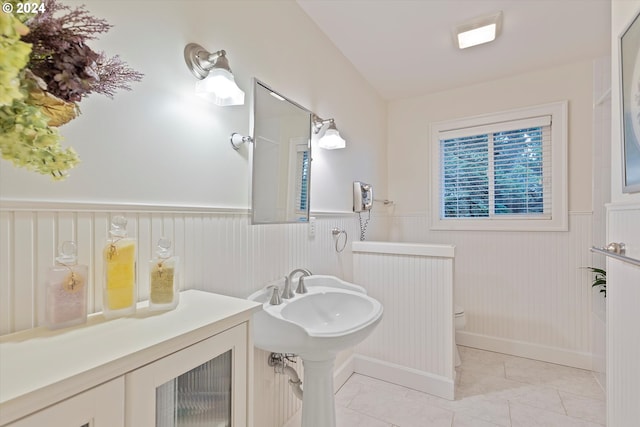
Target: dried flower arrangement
{"x": 46, "y": 68}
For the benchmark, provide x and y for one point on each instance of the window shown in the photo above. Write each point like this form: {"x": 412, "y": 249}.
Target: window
{"x": 504, "y": 171}
{"x": 298, "y": 179}
{"x": 302, "y": 182}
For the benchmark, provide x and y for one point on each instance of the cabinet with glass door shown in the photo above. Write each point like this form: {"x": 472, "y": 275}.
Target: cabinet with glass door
{"x": 202, "y": 385}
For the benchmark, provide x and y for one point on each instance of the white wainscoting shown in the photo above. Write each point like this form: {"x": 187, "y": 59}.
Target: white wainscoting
{"x": 524, "y": 293}
{"x": 623, "y": 319}
{"x": 220, "y": 252}
{"x": 413, "y": 344}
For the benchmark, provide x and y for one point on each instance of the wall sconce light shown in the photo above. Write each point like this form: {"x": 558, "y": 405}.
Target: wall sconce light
{"x": 331, "y": 139}
{"x": 237, "y": 140}
{"x": 478, "y": 31}
{"x": 217, "y": 83}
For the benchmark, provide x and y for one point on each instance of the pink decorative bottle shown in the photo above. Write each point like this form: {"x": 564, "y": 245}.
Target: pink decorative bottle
{"x": 66, "y": 290}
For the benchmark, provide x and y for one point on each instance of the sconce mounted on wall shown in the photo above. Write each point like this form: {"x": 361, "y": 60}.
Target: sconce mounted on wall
{"x": 237, "y": 140}
{"x": 217, "y": 83}
{"x": 331, "y": 139}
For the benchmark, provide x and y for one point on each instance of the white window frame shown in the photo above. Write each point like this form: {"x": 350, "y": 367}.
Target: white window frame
{"x": 559, "y": 218}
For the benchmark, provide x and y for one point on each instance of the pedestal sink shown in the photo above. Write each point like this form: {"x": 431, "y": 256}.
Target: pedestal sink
{"x": 332, "y": 316}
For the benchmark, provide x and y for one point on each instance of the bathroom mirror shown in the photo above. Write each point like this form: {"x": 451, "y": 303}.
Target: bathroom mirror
{"x": 281, "y": 158}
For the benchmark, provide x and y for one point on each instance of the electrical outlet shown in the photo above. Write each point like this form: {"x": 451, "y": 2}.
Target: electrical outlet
{"x": 312, "y": 226}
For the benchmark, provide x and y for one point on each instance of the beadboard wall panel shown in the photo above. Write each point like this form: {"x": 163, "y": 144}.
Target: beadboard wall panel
{"x": 524, "y": 293}
{"x": 219, "y": 251}
{"x": 413, "y": 344}
{"x": 623, "y": 318}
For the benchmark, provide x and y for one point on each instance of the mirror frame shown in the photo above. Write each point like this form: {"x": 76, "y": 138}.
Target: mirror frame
{"x": 255, "y": 86}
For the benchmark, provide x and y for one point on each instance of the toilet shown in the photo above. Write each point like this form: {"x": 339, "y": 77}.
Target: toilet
{"x": 459, "y": 322}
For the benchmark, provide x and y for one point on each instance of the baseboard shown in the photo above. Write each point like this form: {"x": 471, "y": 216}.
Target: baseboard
{"x": 524, "y": 349}
{"x": 406, "y": 377}
{"x": 342, "y": 373}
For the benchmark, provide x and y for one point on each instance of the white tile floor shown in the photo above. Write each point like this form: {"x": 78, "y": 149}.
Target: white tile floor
{"x": 492, "y": 389}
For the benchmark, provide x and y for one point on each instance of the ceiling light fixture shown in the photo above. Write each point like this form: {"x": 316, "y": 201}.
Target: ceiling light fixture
{"x": 480, "y": 30}
{"x": 217, "y": 83}
{"x": 331, "y": 139}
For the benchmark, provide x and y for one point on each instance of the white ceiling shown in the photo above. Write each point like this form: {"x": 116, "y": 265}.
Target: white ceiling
{"x": 404, "y": 48}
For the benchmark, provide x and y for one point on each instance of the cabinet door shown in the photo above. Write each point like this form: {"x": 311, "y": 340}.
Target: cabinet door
{"x": 204, "y": 384}
{"x": 101, "y": 406}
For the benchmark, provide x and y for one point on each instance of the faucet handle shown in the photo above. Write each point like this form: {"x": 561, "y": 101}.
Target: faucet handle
{"x": 301, "y": 289}
{"x": 287, "y": 292}
{"x": 275, "y": 295}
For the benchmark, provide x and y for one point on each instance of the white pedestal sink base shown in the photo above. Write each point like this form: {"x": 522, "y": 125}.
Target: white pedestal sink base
{"x": 331, "y": 316}
{"x": 318, "y": 401}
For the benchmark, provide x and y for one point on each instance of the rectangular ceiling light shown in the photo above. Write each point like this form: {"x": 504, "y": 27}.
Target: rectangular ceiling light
{"x": 478, "y": 31}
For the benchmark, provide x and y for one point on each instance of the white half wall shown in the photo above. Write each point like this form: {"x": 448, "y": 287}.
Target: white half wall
{"x": 413, "y": 344}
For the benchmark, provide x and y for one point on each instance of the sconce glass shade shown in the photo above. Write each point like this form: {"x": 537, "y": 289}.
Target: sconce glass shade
{"x": 217, "y": 83}
{"x": 220, "y": 88}
{"x": 331, "y": 140}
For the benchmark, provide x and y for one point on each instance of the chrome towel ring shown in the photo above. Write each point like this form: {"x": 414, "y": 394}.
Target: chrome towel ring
{"x": 338, "y": 232}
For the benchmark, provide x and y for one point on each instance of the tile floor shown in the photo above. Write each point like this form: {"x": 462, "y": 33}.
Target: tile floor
{"x": 492, "y": 389}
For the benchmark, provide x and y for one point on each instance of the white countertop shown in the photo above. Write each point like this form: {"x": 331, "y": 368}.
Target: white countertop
{"x": 40, "y": 367}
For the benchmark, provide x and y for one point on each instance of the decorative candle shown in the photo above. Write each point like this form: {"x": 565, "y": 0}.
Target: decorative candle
{"x": 66, "y": 290}
{"x": 163, "y": 278}
{"x": 119, "y": 291}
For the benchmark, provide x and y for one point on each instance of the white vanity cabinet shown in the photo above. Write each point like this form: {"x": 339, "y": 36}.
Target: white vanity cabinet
{"x": 101, "y": 406}
{"x": 201, "y": 385}
{"x": 191, "y": 364}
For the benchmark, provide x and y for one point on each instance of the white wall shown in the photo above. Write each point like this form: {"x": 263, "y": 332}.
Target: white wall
{"x": 409, "y": 121}
{"x": 160, "y": 144}
{"x": 523, "y": 292}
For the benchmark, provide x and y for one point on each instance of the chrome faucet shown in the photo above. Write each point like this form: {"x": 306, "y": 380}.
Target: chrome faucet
{"x": 301, "y": 289}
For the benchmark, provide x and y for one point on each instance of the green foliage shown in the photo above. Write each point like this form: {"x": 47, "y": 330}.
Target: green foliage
{"x": 599, "y": 279}
{"x": 15, "y": 55}
{"x": 45, "y": 68}
{"x": 28, "y": 141}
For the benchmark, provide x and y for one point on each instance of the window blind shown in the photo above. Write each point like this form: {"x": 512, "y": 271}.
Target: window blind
{"x": 302, "y": 181}
{"x": 499, "y": 170}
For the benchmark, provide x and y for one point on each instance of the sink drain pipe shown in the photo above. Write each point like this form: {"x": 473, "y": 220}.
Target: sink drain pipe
{"x": 280, "y": 365}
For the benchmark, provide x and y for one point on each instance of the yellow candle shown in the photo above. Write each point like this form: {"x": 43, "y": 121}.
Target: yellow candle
{"x": 120, "y": 274}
